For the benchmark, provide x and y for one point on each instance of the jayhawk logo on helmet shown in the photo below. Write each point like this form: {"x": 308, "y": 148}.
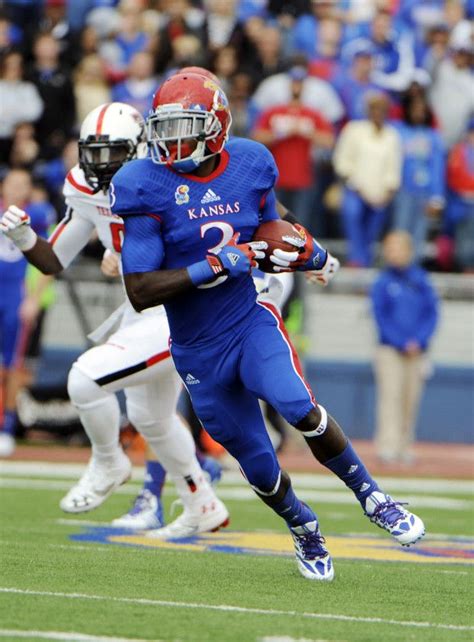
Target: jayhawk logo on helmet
{"x": 181, "y": 195}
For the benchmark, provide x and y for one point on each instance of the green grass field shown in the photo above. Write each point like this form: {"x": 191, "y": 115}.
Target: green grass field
{"x": 64, "y": 578}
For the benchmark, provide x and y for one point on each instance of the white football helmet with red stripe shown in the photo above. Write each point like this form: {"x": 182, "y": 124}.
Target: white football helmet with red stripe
{"x": 111, "y": 135}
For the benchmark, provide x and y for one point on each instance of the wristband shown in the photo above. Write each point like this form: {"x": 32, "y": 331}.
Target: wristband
{"x": 26, "y": 240}
{"x": 205, "y": 271}
{"x": 318, "y": 258}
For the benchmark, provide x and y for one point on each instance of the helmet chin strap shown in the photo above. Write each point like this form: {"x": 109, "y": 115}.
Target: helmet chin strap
{"x": 192, "y": 162}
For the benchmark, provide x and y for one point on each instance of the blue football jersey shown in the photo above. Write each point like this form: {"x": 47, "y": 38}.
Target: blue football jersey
{"x": 173, "y": 220}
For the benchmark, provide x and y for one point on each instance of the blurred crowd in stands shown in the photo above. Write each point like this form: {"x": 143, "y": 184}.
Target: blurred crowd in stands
{"x": 367, "y": 105}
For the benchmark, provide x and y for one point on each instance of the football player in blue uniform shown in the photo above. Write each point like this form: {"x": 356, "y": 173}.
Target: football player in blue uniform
{"x": 14, "y": 328}
{"x": 190, "y": 212}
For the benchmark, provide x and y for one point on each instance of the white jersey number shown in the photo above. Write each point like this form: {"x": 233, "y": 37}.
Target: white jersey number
{"x": 227, "y": 234}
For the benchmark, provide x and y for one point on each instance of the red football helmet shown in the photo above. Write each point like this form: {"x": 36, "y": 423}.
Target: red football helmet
{"x": 200, "y": 71}
{"x": 189, "y": 121}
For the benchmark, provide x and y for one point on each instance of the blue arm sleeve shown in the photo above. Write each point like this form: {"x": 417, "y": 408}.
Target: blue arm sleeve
{"x": 429, "y": 317}
{"x": 143, "y": 249}
{"x": 268, "y": 210}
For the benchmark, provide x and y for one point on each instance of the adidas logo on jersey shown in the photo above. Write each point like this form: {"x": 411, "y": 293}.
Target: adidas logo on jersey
{"x": 190, "y": 380}
{"x": 352, "y": 469}
{"x": 210, "y": 197}
{"x": 364, "y": 487}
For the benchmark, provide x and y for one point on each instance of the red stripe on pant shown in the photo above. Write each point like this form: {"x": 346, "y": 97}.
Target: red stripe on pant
{"x": 295, "y": 358}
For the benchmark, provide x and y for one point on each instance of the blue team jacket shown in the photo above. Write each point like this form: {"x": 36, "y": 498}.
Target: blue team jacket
{"x": 424, "y": 164}
{"x": 405, "y": 307}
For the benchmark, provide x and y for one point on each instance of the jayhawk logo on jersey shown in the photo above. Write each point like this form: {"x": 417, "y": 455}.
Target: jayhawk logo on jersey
{"x": 182, "y": 194}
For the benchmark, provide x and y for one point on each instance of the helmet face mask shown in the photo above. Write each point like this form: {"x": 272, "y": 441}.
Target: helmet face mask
{"x": 111, "y": 135}
{"x": 189, "y": 122}
{"x": 100, "y": 159}
{"x": 179, "y": 137}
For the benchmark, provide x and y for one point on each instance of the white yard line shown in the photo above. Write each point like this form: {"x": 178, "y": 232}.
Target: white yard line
{"x": 244, "y": 493}
{"x": 65, "y": 636}
{"x": 239, "y": 609}
{"x": 49, "y": 470}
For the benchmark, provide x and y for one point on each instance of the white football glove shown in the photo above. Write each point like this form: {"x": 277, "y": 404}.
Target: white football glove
{"x": 326, "y": 273}
{"x": 15, "y": 224}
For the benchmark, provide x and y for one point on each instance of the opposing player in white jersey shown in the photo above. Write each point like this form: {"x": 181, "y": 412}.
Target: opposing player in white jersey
{"x": 136, "y": 358}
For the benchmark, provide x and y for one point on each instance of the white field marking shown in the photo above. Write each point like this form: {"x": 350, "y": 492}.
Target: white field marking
{"x": 420, "y": 569}
{"x": 286, "y": 638}
{"x": 49, "y": 470}
{"x": 244, "y": 493}
{"x": 65, "y": 521}
{"x": 239, "y": 609}
{"x": 63, "y": 635}
{"x": 105, "y": 548}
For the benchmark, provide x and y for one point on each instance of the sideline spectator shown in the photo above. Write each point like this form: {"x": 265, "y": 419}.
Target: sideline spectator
{"x": 19, "y": 101}
{"x": 421, "y": 195}
{"x": 90, "y": 86}
{"x": 15, "y": 316}
{"x": 353, "y": 84}
{"x": 139, "y": 87}
{"x": 325, "y": 63}
{"x": 225, "y": 64}
{"x": 10, "y": 34}
{"x": 368, "y": 159}
{"x": 269, "y": 55}
{"x": 239, "y": 96}
{"x": 25, "y": 148}
{"x": 405, "y": 308}
{"x": 131, "y": 37}
{"x": 394, "y": 55}
{"x": 460, "y": 209}
{"x": 54, "y": 84}
{"x": 452, "y": 91}
{"x": 316, "y": 94}
{"x": 55, "y": 22}
{"x": 306, "y": 32}
{"x": 293, "y": 132}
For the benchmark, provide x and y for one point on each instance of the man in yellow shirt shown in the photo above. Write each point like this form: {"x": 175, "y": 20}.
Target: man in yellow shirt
{"x": 368, "y": 159}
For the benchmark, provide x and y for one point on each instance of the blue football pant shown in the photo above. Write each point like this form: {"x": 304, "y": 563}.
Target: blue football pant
{"x": 226, "y": 379}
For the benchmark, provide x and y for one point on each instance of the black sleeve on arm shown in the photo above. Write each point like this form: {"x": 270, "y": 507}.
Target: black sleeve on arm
{"x": 285, "y": 214}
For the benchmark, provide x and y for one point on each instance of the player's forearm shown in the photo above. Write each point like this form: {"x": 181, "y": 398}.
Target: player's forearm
{"x": 42, "y": 256}
{"x": 148, "y": 289}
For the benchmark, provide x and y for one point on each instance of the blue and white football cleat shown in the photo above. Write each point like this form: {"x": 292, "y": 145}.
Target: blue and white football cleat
{"x": 312, "y": 557}
{"x": 402, "y": 525}
{"x": 146, "y": 513}
{"x": 212, "y": 469}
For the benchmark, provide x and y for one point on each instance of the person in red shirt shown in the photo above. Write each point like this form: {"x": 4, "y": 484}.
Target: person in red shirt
{"x": 294, "y": 134}
{"x": 460, "y": 206}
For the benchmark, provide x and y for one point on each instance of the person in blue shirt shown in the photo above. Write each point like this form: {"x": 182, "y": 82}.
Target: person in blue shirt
{"x": 16, "y": 188}
{"x": 422, "y": 191}
{"x": 190, "y": 212}
{"x": 355, "y": 83}
{"x": 139, "y": 86}
{"x": 405, "y": 308}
